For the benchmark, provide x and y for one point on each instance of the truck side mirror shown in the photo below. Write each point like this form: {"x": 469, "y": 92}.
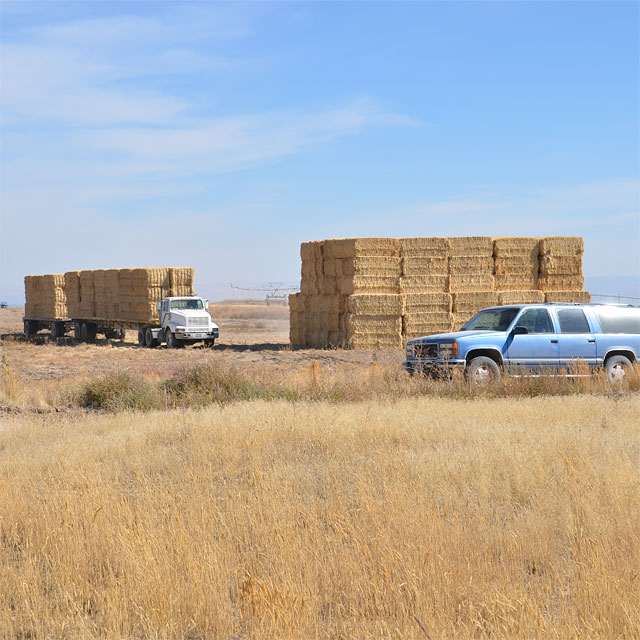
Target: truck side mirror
{"x": 206, "y": 305}
{"x": 519, "y": 330}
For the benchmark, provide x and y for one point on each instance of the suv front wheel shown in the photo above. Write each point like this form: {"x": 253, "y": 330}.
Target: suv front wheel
{"x": 483, "y": 370}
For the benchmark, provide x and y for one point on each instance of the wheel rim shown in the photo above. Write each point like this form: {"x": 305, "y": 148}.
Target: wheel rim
{"x": 482, "y": 375}
{"x": 617, "y": 372}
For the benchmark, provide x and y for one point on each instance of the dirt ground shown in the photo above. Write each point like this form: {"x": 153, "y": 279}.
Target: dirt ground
{"x": 250, "y": 335}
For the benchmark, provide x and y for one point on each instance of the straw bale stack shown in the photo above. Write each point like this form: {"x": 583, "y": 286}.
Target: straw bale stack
{"x": 358, "y": 291}
{"x": 45, "y": 296}
{"x": 567, "y": 296}
{"x": 72, "y": 289}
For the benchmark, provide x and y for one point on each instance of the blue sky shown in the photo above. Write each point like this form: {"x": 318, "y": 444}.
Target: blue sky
{"x": 221, "y": 135}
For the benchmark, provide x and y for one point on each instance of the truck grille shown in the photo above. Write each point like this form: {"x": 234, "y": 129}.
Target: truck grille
{"x": 197, "y": 322}
{"x": 428, "y": 350}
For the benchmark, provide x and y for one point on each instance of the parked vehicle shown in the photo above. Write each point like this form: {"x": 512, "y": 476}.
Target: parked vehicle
{"x": 182, "y": 320}
{"x": 537, "y": 339}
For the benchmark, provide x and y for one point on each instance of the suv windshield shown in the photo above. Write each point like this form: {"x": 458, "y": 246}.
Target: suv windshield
{"x": 491, "y": 320}
{"x": 177, "y": 305}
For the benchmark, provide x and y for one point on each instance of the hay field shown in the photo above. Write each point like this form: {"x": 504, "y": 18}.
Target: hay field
{"x": 483, "y": 519}
{"x": 343, "y": 501}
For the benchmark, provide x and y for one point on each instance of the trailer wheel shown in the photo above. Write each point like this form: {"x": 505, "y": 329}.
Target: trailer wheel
{"x": 88, "y": 331}
{"x": 77, "y": 330}
{"x": 57, "y": 330}
{"x": 141, "y": 336}
{"x": 149, "y": 340}
{"x": 30, "y": 327}
{"x": 121, "y": 334}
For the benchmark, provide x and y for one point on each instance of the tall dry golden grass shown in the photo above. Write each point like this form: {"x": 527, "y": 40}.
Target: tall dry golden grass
{"x": 485, "y": 518}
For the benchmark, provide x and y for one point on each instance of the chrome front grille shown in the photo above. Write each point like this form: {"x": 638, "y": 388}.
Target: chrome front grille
{"x": 197, "y": 322}
{"x": 428, "y": 350}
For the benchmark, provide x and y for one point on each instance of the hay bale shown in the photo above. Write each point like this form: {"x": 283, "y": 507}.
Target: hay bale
{"x": 512, "y": 247}
{"x": 561, "y": 246}
{"x": 424, "y": 247}
{"x": 551, "y": 265}
{"x": 530, "y": 296}
{"x": 375, "y": 304}
{"x": 475, "y": 282}
{"x": 329, "y": 286}
{"x": 480, "y": 246}
{"x": 383, "y": 325}
{"x": 311, "y": 251}
{"x": 470, "y": 265}
{"x": 473, "y": 301}
{"x": 424, "y": 302}
{"x": 567, "y": 296}
{"x": 424, "y": 266}
{"x": 368, "y": 284}
{"x": 424, "y": 284}
{"x": 561, "y": 283}
{"x": 370, "y": 266}
{"x": 516, "y": 282}
{"x": 440, "y": 319}
{"x": 355, "y": 247}
{"x": 516, "y": 265}
{"x": 370, "y": 341}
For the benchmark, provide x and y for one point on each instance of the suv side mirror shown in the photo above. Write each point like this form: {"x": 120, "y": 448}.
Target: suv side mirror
{"x": 519, "y": 331}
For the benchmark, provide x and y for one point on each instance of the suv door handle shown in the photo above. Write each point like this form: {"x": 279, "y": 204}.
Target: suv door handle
{"x": 591, "y": 340}
{"x": 554, "y": 340}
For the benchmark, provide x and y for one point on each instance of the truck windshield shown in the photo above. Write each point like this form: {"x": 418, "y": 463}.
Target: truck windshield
{"x": 179, "y": 305}
{"x": 491, "y": 320}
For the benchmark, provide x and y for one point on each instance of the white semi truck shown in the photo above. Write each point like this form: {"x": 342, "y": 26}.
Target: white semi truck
{"x": 182, "y": 320}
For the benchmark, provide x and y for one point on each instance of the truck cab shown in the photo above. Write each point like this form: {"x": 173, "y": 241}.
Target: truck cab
{"x": 183, "y": 320}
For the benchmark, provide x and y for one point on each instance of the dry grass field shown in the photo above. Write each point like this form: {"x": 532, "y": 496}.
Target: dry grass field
{"x": 252, "y": 491}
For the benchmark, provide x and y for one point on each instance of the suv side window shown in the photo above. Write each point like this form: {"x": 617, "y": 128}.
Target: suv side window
{"x": 536, "y": 321}
{"x": 573, "y": 321}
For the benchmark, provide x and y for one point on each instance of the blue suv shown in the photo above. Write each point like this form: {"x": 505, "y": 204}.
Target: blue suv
{"x": 535, "y": 338}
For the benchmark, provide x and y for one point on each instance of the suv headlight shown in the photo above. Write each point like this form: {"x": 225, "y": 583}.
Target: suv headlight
{"x": 448, "y": 349}
{"x": 409, "y": 351}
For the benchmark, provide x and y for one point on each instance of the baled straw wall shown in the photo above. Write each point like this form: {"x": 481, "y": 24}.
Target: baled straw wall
{"x": 381, "y": 292}
{"x": 108, "y": 294}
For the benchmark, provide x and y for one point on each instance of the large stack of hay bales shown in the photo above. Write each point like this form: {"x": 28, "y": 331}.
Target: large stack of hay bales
{"x": 110, "y": 294}
{"x": 381, "y": 292}
{"x": 45, "y": 296}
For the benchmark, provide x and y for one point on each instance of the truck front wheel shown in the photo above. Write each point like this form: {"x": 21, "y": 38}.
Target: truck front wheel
{"x": 172, "y": 343}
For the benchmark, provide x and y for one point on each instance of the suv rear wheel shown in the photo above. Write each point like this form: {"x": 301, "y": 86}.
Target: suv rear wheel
{"x": 483, "y": 370}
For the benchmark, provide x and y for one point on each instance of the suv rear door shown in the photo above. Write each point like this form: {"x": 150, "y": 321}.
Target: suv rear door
{"x": 576, "y": 339}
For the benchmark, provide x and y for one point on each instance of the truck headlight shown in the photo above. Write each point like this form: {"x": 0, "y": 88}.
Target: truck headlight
{"x": 448, "y": 349}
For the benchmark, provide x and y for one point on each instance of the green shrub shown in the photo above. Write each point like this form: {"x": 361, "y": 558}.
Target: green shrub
{"x": 119, "y": 392}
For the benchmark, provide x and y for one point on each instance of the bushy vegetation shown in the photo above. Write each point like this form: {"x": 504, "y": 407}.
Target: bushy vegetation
{"x": 208, "y": 384}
